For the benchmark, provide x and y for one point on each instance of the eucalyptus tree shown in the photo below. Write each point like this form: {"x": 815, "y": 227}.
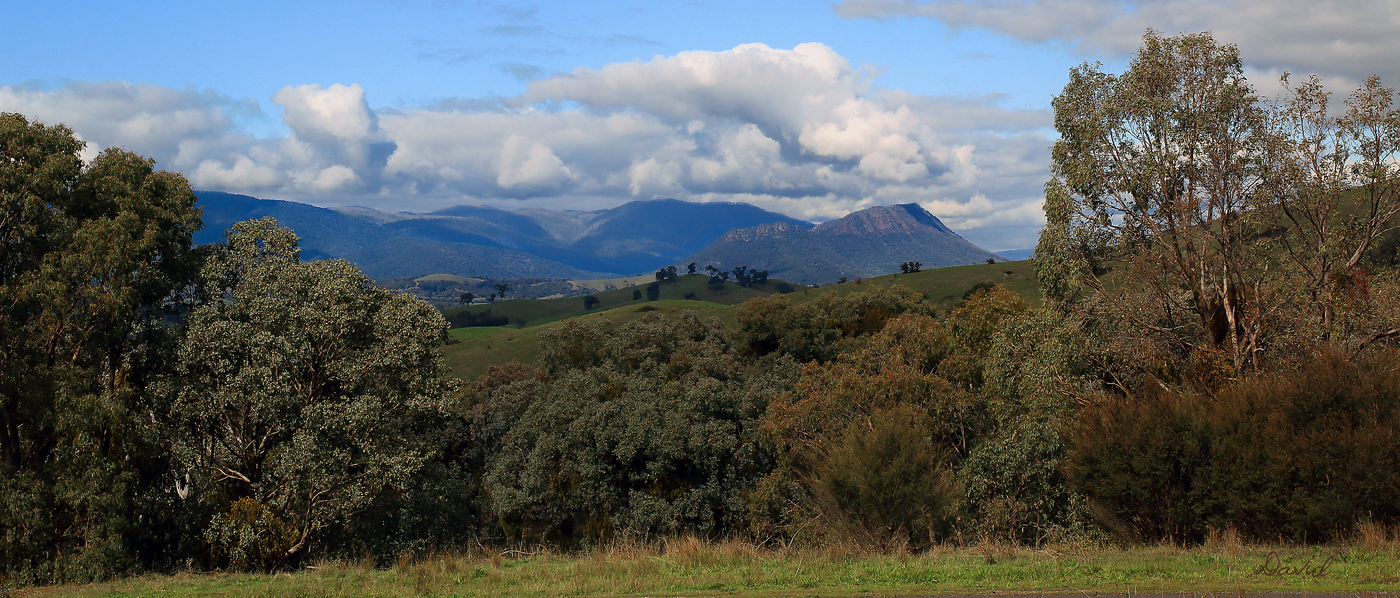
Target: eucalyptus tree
{"x": 304, "y": 393}
{"x": 90, "y": 258}
{"x": 1336, "y": 190}
{"x": 1221, "y": 207}
{"x": 1155, "y": 167}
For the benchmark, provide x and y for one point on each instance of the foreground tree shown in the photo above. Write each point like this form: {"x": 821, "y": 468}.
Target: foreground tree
{"x": 1154, "y": 168}
{"x": 1212, "y": 203}
{"x": 303, "y": 393}
{"x": 89, "y": 258}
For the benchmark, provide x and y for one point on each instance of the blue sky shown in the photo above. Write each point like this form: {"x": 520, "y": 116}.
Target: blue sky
{"x": 812, "y": 109}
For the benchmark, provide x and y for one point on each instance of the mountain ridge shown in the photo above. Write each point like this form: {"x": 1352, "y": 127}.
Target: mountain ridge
{"x": 634, "y": 238}
{"x": 869, "y": 242}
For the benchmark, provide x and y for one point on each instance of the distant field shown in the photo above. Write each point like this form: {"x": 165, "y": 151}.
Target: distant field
{"x": 945, "y": 286}
{"x": 447, "y": 277}
{"x": 479, "y": 348}
{"x": 533, "y": 312}
{"x": 602, "y": 284}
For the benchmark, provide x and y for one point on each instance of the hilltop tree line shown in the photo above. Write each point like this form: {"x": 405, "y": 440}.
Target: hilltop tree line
{"x": 1215, "y": 350}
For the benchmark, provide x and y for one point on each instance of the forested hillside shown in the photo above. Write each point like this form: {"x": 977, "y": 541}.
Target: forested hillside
{"x": 1214, "y": 348}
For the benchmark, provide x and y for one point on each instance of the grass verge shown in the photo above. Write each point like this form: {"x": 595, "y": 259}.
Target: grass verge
{"x": 690, "y": 567}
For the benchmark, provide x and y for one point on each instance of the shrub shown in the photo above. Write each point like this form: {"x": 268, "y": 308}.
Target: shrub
{"x": 885, "y": 483}
{"x": 1299, "y": 455}
{"x": 985, "y": 285}
{"x": 1014, "y": 489}
{"x": 249, "y": 537}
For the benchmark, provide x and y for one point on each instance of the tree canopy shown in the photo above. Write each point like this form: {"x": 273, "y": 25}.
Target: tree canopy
{"x": 92, "y": 257}
{"x": 302, "y": 386}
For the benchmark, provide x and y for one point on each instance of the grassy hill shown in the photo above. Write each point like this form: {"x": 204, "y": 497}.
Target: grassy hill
{"x": 472, "y": 350}
{"x": 527, "y": 312}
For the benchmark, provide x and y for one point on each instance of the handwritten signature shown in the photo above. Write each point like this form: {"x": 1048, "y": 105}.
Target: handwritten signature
{"x": 1273, "y": 567}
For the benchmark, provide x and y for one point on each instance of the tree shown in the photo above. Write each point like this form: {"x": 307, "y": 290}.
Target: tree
{"x": 1156, "y": 168}
{"x": 654, "y": 291}
{"x": 690, "y": 268}
{"x": 649, "y": 429}
{"x": 590, "y": 301}
{"x": 91, "y": 258}
{"x": 1224, "y": 210}
{"x": 501, "y": 289}
{"x": 1336, "y": 187}
{"x": 636, "y": 294}
{"x": 467, "y": 298}
{"x": 741, "y": 276}
{"x": 302, "y": 391}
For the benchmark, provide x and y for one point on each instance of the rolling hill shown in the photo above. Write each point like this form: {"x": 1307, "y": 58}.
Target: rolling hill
{"x": 471, "y": 351}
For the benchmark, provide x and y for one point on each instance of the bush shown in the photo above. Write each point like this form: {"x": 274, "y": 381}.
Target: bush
{"x": 653, "y": 431}
{"x": 1298, "y": 456}
{"x": 249, "y": 537}
{"x": 1014, "y": 489}
{"x": 885, "y": 483}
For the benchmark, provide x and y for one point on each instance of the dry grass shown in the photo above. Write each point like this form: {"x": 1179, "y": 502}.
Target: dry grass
{"x": 1371, "y": 536}
{"x": 691, "y": 566}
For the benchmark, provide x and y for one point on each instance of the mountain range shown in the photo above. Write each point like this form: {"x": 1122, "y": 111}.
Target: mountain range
{"x": 634, "y": 238}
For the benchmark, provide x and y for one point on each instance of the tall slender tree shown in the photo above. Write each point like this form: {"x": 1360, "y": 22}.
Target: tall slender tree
{"x": 91, "y": 257}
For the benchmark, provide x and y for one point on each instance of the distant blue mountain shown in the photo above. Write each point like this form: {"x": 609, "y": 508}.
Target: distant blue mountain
{"x": 634, "y": 238}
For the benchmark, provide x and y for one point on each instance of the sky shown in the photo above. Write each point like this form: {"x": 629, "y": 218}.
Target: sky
{"x": 811, "y": 109}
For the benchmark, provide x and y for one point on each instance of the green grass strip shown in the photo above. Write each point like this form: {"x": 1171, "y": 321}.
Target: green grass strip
{"x": 688, "y": 567}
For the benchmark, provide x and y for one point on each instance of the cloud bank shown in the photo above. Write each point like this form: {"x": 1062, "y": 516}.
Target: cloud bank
{"x": 800, "y": 131}
{"x": 1342, "y": 41}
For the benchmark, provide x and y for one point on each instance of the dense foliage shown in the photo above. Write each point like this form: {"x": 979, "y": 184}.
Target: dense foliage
{"x": 89, "y": 256}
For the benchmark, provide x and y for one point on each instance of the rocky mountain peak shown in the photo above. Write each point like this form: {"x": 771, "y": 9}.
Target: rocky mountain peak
{"x": 772, "y": 230}
{"x": 908, "y": 219}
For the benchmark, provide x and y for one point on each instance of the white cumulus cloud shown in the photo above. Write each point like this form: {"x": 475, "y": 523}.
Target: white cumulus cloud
{"x": 800, "y": 131}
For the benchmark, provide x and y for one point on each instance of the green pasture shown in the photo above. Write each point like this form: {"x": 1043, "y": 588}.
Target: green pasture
{"x": 471, "y": 351}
